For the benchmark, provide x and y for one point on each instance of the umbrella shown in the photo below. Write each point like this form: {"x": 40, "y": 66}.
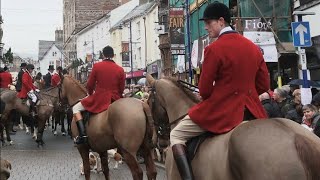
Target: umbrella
{"x": 300, "y": 82}
{"x": 142, "y": 81}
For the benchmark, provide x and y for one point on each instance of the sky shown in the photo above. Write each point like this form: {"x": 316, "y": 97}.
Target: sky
{"x": 25, "y": 22}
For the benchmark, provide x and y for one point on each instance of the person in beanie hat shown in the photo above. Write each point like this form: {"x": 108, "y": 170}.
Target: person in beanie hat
{"x": 106, "y": 83}
{"x": 48, "y": 76}
{"x": 233, "y": 76}
{"x": 19, "y": 80}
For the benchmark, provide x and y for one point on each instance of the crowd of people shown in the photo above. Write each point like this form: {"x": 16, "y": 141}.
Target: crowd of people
{"x": 285, "y": 102}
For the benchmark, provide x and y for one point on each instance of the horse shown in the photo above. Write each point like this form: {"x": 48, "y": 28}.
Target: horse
{"x": 112, "y": 128}
{"x": 45, "y": 109}
{"x": 266, "y": 149}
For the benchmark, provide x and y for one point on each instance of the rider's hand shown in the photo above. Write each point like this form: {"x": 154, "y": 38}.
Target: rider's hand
{"x": 37, "y": 90}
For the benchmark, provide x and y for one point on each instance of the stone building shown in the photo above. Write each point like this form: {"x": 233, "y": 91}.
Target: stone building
{"x": 78, "y": 14}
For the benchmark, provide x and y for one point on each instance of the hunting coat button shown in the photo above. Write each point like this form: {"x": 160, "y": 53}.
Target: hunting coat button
{"x": 250, "y": 91}
{"x": 236, "y": 93}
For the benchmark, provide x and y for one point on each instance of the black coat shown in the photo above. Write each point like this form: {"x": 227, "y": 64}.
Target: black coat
{"x": 316, "y": 122}
{"x": 272, "y": 108}
{"x": 294, "y": 115}
{"x": 19, "y": 81}
{"x": 47, "y": 80}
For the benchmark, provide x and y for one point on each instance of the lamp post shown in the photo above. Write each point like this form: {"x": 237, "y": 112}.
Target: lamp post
{"x": 131, "y": 60}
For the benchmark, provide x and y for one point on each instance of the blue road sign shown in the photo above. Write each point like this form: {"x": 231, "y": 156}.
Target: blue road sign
{"x": 301, "y": 34}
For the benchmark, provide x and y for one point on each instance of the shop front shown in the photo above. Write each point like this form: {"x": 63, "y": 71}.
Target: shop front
{"x": 154, "y": 69}
{"x": 134, "y": 76}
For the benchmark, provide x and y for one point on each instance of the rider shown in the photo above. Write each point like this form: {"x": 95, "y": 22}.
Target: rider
{"x": 20, "y": 74}
{"x": 28, "y": 89}
{"x": 105, "y": 85}
{"x": 47, "y": 77}
{"x": 55, "y": 79}
{"x": 5, "y": 78}
{"x": 233, "y": 75}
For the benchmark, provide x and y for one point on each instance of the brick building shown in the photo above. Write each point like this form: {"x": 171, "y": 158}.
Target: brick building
{"x": 78, "y": 14}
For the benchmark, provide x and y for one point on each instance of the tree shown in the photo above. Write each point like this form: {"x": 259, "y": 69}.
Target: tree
{"x": 8, "y": 57}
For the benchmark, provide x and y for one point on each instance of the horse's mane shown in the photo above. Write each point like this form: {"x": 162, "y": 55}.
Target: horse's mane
{"x": 76, "y": 83}
{"x": 191, "y": 95}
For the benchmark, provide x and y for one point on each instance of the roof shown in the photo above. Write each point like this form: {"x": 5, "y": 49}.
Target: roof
{"x": 58, "y": 45}
{"x": 44, "y": 46}
{"x": 136, "y": 12}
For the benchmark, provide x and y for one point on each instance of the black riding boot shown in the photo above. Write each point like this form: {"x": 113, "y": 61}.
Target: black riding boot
{"x": 184, "y": 167}
{"x": 82, "y": 138}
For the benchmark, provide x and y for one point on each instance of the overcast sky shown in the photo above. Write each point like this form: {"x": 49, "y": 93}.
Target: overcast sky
{"x": 28, "y": 21}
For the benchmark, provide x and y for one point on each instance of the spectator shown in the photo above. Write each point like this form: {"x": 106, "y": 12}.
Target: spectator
{"x": 281, "y": 97}
{"x": 296, "y": 114}
{"x": 316, "y": 100}
{"x": 311, "y": 117}
{"x": 270, "y": 106}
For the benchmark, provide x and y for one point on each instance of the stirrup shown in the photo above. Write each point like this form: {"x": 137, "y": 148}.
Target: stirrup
{"x": 81, "y": 140}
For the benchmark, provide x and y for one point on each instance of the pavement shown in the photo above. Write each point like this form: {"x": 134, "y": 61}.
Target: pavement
{"x": 57, "y": 160}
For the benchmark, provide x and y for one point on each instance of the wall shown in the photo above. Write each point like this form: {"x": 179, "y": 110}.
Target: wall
{"x": 49, "y": 57}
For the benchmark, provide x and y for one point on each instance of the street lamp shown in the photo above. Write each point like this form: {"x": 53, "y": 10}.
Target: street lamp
{"x": 85, "y": 44}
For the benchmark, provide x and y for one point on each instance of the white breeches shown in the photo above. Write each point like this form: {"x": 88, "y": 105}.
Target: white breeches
{"x": 77, "y": 108}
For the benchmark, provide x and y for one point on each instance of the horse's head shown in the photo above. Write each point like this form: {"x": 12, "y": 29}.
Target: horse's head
{"x": 169, "y": 103}
{"x": 70, "y": 90}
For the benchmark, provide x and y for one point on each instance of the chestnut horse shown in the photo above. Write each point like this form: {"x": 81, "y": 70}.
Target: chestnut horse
{"x": 125, "y": 125}
{"x": 261, "y": 149}
{"x": 45, "y": 109}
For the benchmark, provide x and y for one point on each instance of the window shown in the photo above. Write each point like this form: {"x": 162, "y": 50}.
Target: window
{"x": 54, "y": 53}
{"x": 138, "y": 29}
{"x": 51, "y": 62}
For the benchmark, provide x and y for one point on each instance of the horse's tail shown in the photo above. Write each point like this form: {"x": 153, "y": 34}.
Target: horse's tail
{"x": 149, "y": 124}
{"x": 308, "y": 153}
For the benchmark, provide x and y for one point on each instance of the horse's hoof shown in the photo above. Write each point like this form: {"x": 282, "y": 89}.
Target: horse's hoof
{"x": 11, "y": 143}
{"x": 34, "y": 137}
{"x": 63, "y": 134}
{"x": 55, "y": 133}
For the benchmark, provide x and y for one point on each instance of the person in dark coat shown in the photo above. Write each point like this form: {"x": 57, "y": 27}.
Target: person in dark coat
{"x": 48, "y": 76}
{"x": 270, "y": 105}
{"x": 296, "y": 114}
{"x": 19, "y": 80}
{"x": 316, "y": 100}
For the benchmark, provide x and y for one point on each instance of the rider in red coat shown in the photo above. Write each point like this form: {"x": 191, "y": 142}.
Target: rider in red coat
{"x": 5, "y": 78}
{"x": 55, "y": 79}
{"x": 105, "y": 85}
{"x": 28, "y": 89}
{"x": 233, "y": 75}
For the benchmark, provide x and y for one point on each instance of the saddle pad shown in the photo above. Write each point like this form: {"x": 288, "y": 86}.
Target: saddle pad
{"x": 194, "y": 143}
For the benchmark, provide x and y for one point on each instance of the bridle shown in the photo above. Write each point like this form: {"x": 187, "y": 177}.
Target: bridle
{"x": 163, "y": 125}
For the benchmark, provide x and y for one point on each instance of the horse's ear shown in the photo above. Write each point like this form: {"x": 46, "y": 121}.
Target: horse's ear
{"x": 150, "y": 80}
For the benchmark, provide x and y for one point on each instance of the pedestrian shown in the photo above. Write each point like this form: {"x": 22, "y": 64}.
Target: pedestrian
{"x": 233, "y": 75}
{"x": 311, "y": 118}
{"x": 296, "y": 114}
{"x": 105, "y": 85}
{"x": 281, "y": 96}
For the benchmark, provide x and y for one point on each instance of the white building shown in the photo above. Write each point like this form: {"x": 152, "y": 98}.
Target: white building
{"x": 143, "y": 39}
{"x": 93, "y": 38}
{"x": 53, "y": 56}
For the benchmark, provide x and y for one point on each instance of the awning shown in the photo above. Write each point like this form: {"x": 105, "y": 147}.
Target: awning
{"x": 134, "y": 74}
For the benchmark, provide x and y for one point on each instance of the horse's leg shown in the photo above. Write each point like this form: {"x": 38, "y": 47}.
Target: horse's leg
{"x": 133, "y": 165}
{"x": 41, "y": 123}
{"x": 147, "y": 155}
{"x": 69, "y": 119}
{"x": 1, "y": 134}
{"x": 7, "y": 124}
{"x": 84, "y": 152}
{"x": 63, "y": 130}
{"x": 104, "y": 163}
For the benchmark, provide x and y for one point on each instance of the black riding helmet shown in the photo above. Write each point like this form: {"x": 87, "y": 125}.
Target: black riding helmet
{"x": 30, "y": 66}
{"x": 216, "y": 10}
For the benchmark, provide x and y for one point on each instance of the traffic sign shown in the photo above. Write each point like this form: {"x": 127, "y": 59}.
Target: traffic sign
{"x": 301, "y": 34}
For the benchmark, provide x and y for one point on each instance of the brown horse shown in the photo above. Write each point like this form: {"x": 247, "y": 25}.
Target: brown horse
{"x": 124, "y": 126}
{"x": 257, "y": 150}
{"x": 45, "y": 109}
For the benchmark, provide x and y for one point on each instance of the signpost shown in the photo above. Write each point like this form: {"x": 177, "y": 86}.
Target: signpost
{"x": 302, "y": 38}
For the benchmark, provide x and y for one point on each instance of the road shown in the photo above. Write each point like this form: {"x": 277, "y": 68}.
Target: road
{"x": 58, "y": 159}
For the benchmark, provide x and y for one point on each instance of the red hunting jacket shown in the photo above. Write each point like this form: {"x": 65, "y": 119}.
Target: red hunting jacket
{"x": 55, "y": 80}
{"x": 27, "y": 85}
{"x": 106, "y": 84}
{"x": 237, "y": 69}
{"x": 5, "y": 79}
